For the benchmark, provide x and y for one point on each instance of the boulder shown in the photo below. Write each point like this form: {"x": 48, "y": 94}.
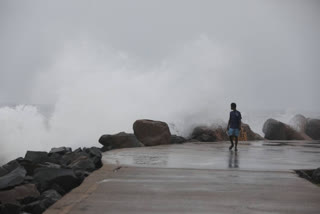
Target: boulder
{"x": 209, "y": 134}
{"x": 177, "y": 139}
{"x": 60, "y": 150}
{"x": 13, "y": 178}
{"x": 298, "y": 122}
{"x": 64, "y": 178}
{"x": 37, "y": 157}
{"x": 247, "y": 134}
{"x": 10, "y": 208}
{"x": 83, "y": 163}
{"x": 120, "y": 140}
{"x": 313, "y": 128}
{"x": 95, "y": 155}
{"x": 152, "y": 133}
{"x": 23, "y": 193}
{"x": 46, "y": 199}
{"x": 5, "y": 169}
{"x": 67, "y": 159}
{"x": 276, "y": 130}
{"x": 316, "y": 176}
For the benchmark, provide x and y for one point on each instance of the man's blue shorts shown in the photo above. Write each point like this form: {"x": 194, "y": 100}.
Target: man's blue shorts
{"x": 233, "y": 132}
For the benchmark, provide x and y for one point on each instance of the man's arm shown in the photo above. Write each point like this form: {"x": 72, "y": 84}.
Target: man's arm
{"x": 229, "y": 123}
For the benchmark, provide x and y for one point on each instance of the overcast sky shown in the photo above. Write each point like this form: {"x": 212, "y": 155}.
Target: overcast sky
{"x": 275, "y": 43}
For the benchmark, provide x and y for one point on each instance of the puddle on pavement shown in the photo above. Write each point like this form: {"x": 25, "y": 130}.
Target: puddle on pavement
{"x": 277, "y": 144}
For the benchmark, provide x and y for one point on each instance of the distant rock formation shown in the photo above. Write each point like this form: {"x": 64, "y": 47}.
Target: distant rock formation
{"x": 120, "y": 140}
{"x": 152, "y": 133}
{"x": 307, "y": 126}
{"x": 298, "y": 122}
{"x": 209, "y": 134}
{"x": 276, "y": 130}
{"x": 247, "y": 134}
{"x": 312, "y": 128}
{"x": 219, "y": 133}
{"x": 175, "y": 139}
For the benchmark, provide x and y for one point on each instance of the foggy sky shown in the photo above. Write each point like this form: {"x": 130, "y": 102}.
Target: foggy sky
{"x": 276, "y": 42}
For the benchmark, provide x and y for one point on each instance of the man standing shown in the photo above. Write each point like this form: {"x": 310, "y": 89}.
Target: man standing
{"x": 234, "y": 125}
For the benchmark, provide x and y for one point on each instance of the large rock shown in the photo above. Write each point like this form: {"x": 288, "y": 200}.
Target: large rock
{"x": 64, "y": 178}
{"x": 7, "y": 168}
{"x": 316, "y": 176}
{"x": 37, "y": 157}
{"x": 83, "y": 163}
{"x": 46, "y": 199}
{"x": 13, "y": 178}
{"x": 247, "y": 134}
{"x": 10, "y": 209}
{"x": 209, "y": 134}
{"x": 313, "y": 128}
{"x": 175, "y": 139}
{"x": 95, "y": 155}
{"x": 120, "y": 140}
{"x": 60, "y": 150}
{"x": 219, "y": 133}
{"x": 27, "y": 192}
{"x": 298, "y": 122}
{"x": 276, "y": 130}
{"x": 152, "y": 133}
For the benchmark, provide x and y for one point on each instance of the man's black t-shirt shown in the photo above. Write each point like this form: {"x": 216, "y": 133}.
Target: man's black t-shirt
{"x": 235, "y": 118}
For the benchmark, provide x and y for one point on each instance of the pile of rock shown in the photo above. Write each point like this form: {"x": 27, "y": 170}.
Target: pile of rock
{"x": 33, "y": 183}
{"x": 300, "y": 128}
{"x": 219, "y": 133}
{"x": 152, "y": 133}
{"x": 146, "y": 133}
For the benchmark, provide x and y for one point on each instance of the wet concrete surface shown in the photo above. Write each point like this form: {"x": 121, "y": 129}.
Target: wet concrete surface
{"x": 271, "y": 156}
{"x": 199, "y": 178}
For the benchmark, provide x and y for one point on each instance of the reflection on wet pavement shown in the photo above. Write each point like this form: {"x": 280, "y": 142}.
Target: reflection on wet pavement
{"x": 233, "y": 160}
{"x": 260, "y": 155}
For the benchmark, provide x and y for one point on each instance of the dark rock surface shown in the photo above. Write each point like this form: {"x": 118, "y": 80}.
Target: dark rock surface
{"x": 65, "y": 178}
{"x": 248, "y": 134}
{"x": 60, "y": 150}
{"x": 46, "y": 199}
{"x": 219, "y": 133}
{"x": 5, "y": 169}
{"x": 37, "y": 157}
{"x": 316, "y": 176}
{"x": 312, "y": 128}
{"x": 13, "y": 178}
{"x": 10, "y": 208}
{"x": 298, "y": 122}
{"x": 209, "y": 134}
{"x": 33, "y": 183}
{"x": 276, "y": 130}
{"x": 26, "y": 192}
{"x": 120, "y": 140}
{"x": 177, "y": 139}
{"x": 152, "y": 133}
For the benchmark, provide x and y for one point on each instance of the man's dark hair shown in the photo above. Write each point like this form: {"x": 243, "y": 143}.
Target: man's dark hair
{"x": 233, "y": 105}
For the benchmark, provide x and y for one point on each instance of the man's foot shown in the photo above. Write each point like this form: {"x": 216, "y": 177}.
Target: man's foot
{"x": 236, "y": 149}
{"x": 230, "y": 147}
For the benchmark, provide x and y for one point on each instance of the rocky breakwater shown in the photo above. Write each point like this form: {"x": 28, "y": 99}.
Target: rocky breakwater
{"x": 33, "y": 183}
{"x": 300, "y": 128}
{"x": 219, "y": 133}
{"x": 146, "y": 133}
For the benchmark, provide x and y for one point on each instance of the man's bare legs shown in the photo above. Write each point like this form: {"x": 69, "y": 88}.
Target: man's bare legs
{"x": 236, "y": 142}
{"x": 231, "y": 141}
{"x": 236, "y": 148}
